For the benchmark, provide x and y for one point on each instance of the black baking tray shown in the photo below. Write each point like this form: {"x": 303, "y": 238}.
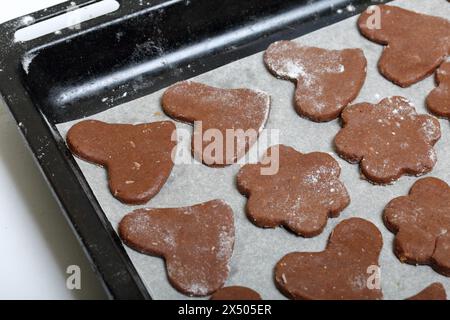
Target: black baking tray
{"x": 140, "y": 48}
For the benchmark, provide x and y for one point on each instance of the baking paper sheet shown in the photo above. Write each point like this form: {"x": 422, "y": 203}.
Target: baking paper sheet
{"x": 257, "y": 250}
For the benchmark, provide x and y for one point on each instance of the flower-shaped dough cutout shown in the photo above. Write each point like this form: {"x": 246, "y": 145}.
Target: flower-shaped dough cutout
{"x": 235, "y": 293}
{"x": 196, "y": 243}
{"x": 300, "y": 195}
{"x": 138, "y": 158}
{"x": 218, "y": 114}
{"x": 434, "y": 291}
{"x": 421, "y": 222}
{"x": 416, "y": 44}
{"x": 438, "y": 101}
{"x": 388, "y": 139}
{"x": 327, "y": 80}
{"x": 346, "y": 270}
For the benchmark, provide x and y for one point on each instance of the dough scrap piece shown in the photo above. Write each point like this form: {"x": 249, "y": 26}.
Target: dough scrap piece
{"x": 342, "y": 271}
{"x": 236, "y": 293}
{"x": 438, "y": 101}
{"x": 301, "y": 195}
{"x": 138, "y": 158}
{"x": 416, "y": 44}
{"x": 388, "y": 139}
{"x": 327, "y": 80}
{"x": 235, "y": 111}
{"x": 434, "y": 291}
{"x": 196, "y": 243}
{"x": 421, "y": 222}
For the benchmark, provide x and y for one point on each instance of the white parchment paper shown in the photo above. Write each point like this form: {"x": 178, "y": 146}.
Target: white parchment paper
{"x": 258, "y": 250}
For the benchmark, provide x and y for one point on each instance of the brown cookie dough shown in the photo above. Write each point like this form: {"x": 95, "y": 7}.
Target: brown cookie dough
{"x": 301, "y": 195}
{"x": 416, "y": 44}
{"x": 327, "y": 80}
{"x": 235, "y": 293}
{"x": 138, "y": 158}
{"x": 421, "y": 222}
{"x": 222, "y": 110}
{"x": 196, "y": 243}
{"x": 434, "y": 291}
{"x": 342, "y": 271}
{"x": 388, "y": 139}
{"x": 438, "y": 101}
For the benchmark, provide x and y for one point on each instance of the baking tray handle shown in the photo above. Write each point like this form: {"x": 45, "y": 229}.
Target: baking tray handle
{"x": 12, "y": 26}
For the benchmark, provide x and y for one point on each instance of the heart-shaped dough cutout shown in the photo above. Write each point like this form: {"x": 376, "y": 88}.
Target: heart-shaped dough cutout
{"x": 434, "y": 291}
{"x": 138, "y": 158}
{"x": 227, "y": 122}
{"x": 236, "y": 293}
{"x": 346, "y": 270}
{"x": 196, "y": 243}
{"x": 327, "y": 80}
{"x": 416, "y": 44}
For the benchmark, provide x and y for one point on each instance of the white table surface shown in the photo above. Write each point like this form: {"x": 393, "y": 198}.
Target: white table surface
{"x": 36, "y": 243}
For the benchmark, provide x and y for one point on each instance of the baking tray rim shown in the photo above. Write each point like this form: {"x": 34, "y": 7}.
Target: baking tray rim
{"x": 107, "y": 255}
